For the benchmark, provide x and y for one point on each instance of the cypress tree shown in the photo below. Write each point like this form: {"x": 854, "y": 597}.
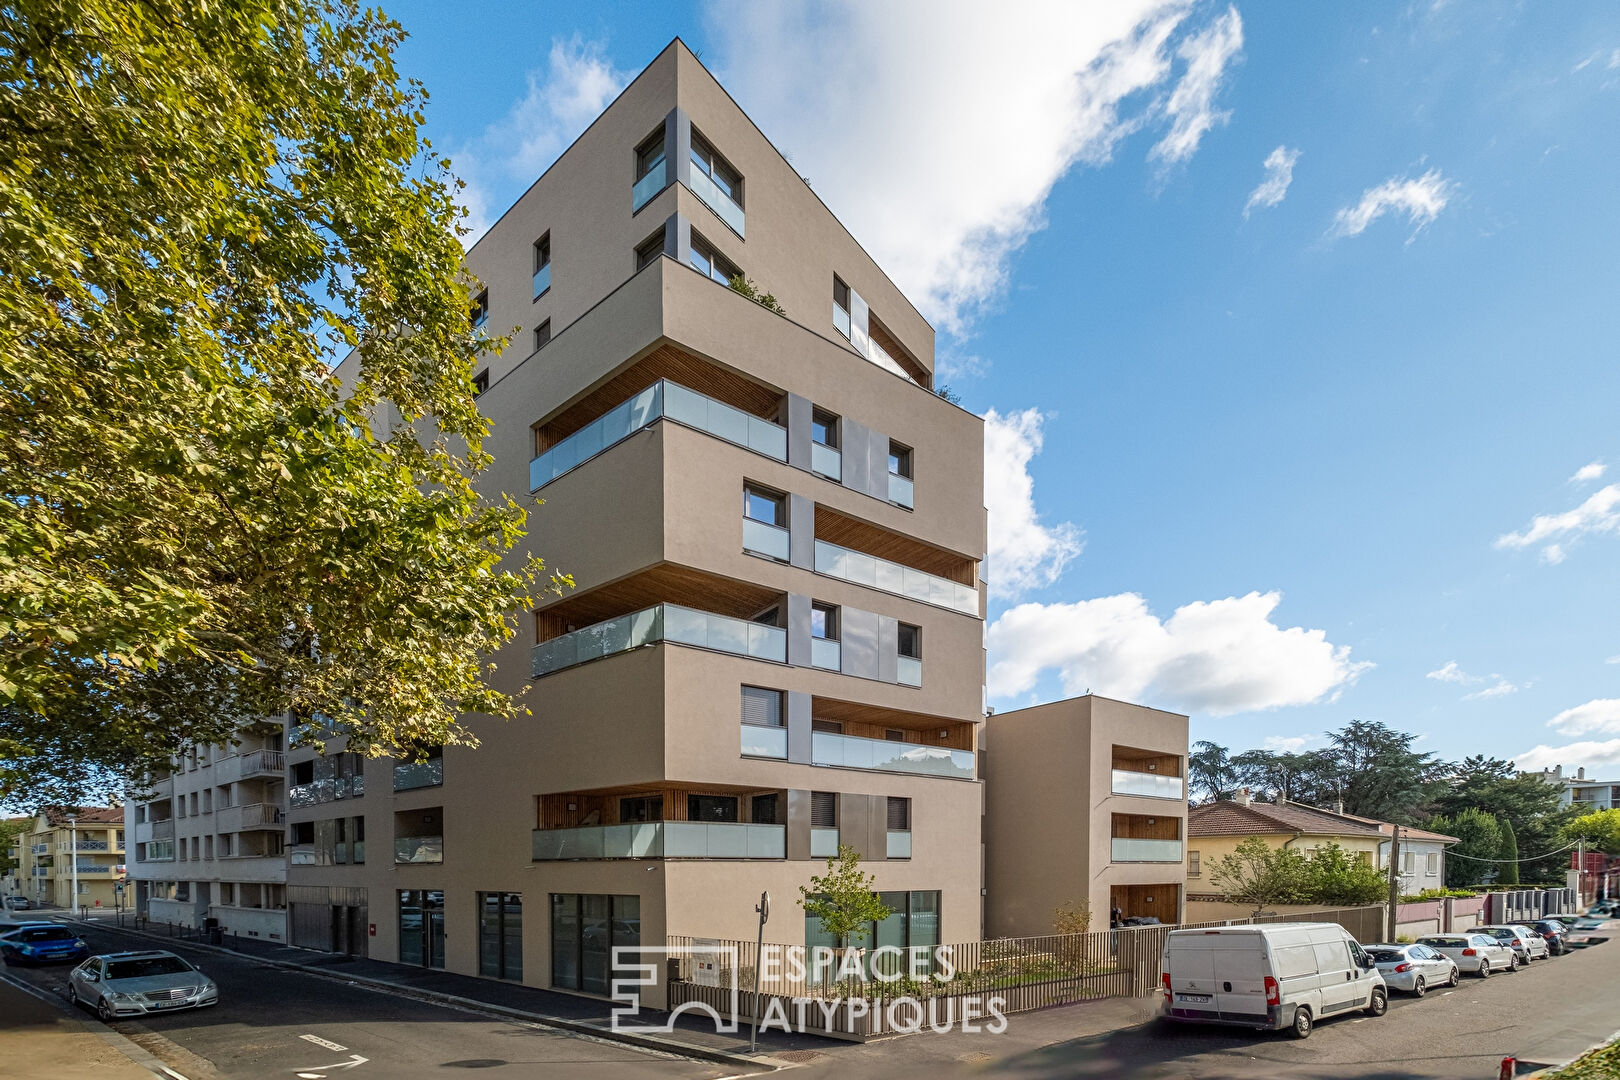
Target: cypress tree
{"x": 1509, "y": 873}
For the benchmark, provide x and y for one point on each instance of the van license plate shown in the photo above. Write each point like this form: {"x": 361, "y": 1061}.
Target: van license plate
{"x": 1193, "y": 997}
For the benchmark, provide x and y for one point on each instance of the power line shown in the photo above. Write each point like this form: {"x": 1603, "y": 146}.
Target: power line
{"x": 1530, "y": 858}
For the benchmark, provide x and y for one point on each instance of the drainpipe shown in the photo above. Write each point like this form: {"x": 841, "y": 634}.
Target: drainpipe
{"x": 1291, "y": 839}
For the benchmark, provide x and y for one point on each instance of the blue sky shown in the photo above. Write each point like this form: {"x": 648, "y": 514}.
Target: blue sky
{"x": 1280, "y": 468}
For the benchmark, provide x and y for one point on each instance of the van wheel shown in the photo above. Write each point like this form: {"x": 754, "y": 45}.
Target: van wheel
{"x": 1484, "y": 969}
{"x": 1418, "y": 987}
{"x": 1301, "y": 1028}
{"x": 1379, "y": 1004}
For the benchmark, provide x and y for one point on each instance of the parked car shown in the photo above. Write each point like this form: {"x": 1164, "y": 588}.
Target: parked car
{"x": 1567, "y": 921}
{"x": 1529, "y": 946}
{"x": 137, "y": 983}
{"x": 17, "y": 903}
{"x": 1279, "y": 976}
{"x": 1474, "y": 951}
{"x": 41, "y": 943}
{"x": 1553, "y": 932}
{"x": 1413, "y": 968}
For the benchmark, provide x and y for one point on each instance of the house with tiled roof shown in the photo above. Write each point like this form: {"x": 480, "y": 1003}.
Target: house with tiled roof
{"x": 1422, "y": 854}
{"x": 1216, "y": 829}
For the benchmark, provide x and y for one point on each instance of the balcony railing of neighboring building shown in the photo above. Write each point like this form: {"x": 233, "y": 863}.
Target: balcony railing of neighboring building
{"x": 1152, "y": 785}
{"x": 1135, "y": 849}
{"x": 159, "y": 851}
{"x": 326, "y": 789}
{"x": 823, "y": 842}
{"x": 881, "y": 755}
{"x": 663, "y": 840}
{"x": 899, "y": 844}
{"x": 891, "y": 577}
{"x": 663, "y": 399}
{"x": 725, "y": 208}
{"x": 419, "y": 849}
{"x": 409, "y": 775}
{"x": 93, "y": 868}
{"x": 663, "y": 622}
{"x": 42, "y": 871}
{"x": 759, "y": 740}
{"x": 259, "y": 762}
{"x": 84, "y": 843}
{"x": 248, "y": 816}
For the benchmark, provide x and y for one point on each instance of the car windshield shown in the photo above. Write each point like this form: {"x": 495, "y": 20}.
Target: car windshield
{"x": 44, "y": 933}
{"x": 147, "y": 966}
{"x": 1501, "y": 932}
{"x": 1385, "y": 956}
{"x": 1444, "y": 942}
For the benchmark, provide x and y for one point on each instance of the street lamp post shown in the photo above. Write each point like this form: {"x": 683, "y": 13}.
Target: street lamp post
{"x": 73, "y": 856}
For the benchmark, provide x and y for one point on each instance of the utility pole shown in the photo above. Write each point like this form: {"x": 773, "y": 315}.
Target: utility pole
{"x": 763, "y": 909}
{"x": 1394, "y": 877}
{"x": 1580, "y": 873}
{"x": 73, "y": 856}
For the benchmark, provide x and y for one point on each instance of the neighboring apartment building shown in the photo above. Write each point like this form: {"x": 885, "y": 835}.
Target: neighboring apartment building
{"x": 1216, "y": 829}
{"x": 55, "y": 840}
{"x": 208, "y": 838}
{"x": 775, "y": 643}
{"x": 1577, "y": 790}
{"x": 1086, "y": 802}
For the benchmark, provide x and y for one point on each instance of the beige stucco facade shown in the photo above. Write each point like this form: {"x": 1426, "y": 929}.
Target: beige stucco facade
{"x": 48, "y": 849}
{"x": 870, "y": 724}
{"x": 1085, "y": 804}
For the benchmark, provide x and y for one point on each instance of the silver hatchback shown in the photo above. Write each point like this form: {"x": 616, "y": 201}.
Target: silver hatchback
{"x": 137, "y": 983}
{"x": 1412, "y": 968}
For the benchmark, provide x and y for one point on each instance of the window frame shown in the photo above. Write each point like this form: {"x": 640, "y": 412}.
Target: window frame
{"x": 479, "y": 315}
{"x": 828, "y": 422}
{"x": 829, "y": 622}
{"x": 916, "y": 637}
{"x": 542, "y": 335}
{"x": 759, "y": 491}
{"x": 711, "y": 162}
{"x": 905, "y": 456}
{"x": 762, "y": 692}
{"x": 481, "y": 383}
{"x": 658, "y": 139}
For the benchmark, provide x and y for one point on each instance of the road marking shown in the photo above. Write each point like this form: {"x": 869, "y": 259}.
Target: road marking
{"x": 1448, "y": 993}
{"x": 318, "y": 1072}
{"x": 318, "y": 1041}
{"x": 171, "y": 1072}
{"x": 1363, "y": 1020}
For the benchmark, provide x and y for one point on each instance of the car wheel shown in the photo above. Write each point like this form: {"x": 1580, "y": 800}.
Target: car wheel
{"x": 1301, "y": 1027}
{"x": 1484, "y": 969}
{"x": 1513, "y": 964}
{"x": 1379, "y": 1004}
{"x": 1456, "y": 976}
{"x": 1418, "y": 989}
{"x": 105, "y": 1011}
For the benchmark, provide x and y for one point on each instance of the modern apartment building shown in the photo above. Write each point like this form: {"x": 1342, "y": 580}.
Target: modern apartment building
{"x": 62, "y": 845}
{"x": 1086, "y": 803}
{"x": 775, "y": 643}
{"x": 209, "y": 837}
{"x": 1588, "y": 796}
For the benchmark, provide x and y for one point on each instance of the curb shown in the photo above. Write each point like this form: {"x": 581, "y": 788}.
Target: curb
{"x": 119, "y": 1042}
{"x": 577, "y": 1027}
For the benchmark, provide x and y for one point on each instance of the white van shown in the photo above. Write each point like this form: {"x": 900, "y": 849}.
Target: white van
{"x": 1271, "y": 977}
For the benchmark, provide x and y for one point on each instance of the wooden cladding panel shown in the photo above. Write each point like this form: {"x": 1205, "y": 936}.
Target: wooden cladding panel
{"x": 857, "y": 535}
{"x": 664, "y": 583}
{"x": 1160, "y": 901}
{"x": 1154, "y": 761}
{"x": 1147, "y": 827}
{"x": 664, "y": 362}
{"x": 602, "y": 807}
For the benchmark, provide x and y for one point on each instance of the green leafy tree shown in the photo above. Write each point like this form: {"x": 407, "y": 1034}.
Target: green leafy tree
{"x": 202, "y": 205}
{"x": 1259, "y": 875}
{"x": 843, "y": 898}
{"x": 1599, "y": 829}
{"x": 1509, "y": 872}
{"x": 9, "y": 828}
{"x": 1383, "y": 777}
{"x": 1527, "y": 802}
{"x": 1339, "y": 878}
{"x": 1473, "y": 859}
{"x": 1210, "y": 775}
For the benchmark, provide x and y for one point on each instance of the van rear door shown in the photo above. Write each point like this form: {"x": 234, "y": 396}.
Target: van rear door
{"x": 1241, "y": 968}
{"x": 1190, "y": 963}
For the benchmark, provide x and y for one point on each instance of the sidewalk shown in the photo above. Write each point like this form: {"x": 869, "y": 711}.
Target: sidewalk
{"x": 44, "y": 1043}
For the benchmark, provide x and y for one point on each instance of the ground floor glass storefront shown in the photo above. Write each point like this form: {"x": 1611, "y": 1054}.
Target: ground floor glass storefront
{"x": 913, "y": 923}
{"x": 421, "y": 927}
{"x": 500, "y": 935}
{"x": 584, "y": 929}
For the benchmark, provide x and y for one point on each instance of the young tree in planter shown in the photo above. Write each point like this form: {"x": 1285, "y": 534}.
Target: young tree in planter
{"x": 843, "y": 899}
{"x": 1258, "y": 874}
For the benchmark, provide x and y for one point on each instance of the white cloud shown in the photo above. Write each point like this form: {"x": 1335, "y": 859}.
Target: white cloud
{"x": 1286, "y": 744}
{"x": 1594, "y": 471}
{"x": 577, "y": 83}
{"x": 1599, "y": 514}
{"x": 1594, "y": 756}
{"x": 1279, "y": 166}
{"x": 1500, "y": 689}
{"x": 1450, "y": 673}
{"x": 1613, "y": 660}
{"x": 1421, "y": 200}
{"x": 1218, "y": 657}
{"x": 1614, "y": 60}
{"x": 1024, "y": 553}
{"x": 1033, "y": 95}
{"x": 1191, "y": 107}
{"x": 1598, "y": 716}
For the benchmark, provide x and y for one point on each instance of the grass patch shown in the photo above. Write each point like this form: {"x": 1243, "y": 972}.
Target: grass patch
{"x": 1600, "y": 1064}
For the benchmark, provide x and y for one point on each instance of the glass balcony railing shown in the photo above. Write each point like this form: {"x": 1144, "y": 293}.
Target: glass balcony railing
{"x": 854, "y": 752}
{"x": 663, "y": 840}
{"x": 840, "y": 319}
{"x": 665, "y": 622}
{"x": 763, "y": 538}
{"x": 419, "y": 849}
{"x": 899, "y": 846}
{"x": 647, "y": 187}
{"x": 761, "y": 741}
{"x": 418, "y": 774}
{"x": 823, "y": 843}
{"x": 718, "y": 201}
{"x": 891, "y": 577}
{"x": 1153, "y": 785}
{"x": 826, "y": 653}
{"x": 1131, "y": 849}
{"x": 542, "y": 280}
{"x": 900, "y": 490}
{"x": 658, "y": 401}
{"x": 827, "y": 460}
{"x": 909, "y": 671}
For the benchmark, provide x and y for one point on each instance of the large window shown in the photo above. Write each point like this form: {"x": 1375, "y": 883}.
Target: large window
{"x": 823, "y": 824}
{"x": 761, "y": 706}
{"x": 650, "y": 156}
{"x": 421, "y": 927}
{"x": 911, "y": 641}
{"x": 716, "y": 168}
{"x": 641, "y": 808}
{"x": 913, "y": 923}
{"x": 824, "y": 428}
{"x": 584, "y": 930}
{"x": 542, "y": 266}
{"x": 760, "y": 504}
{"x": 711, "y": 808}
{"x": 500, "y": 935}
{"x": 710, "y": 263}
{"x": 824, "y": 621}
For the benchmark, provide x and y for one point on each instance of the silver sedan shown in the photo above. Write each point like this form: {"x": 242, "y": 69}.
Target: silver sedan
{"x": 1474, "y": 951}
{"x": 1528, "y": 945}
{"x": 1413, "y": 968}
{"x": 137, "y": 983}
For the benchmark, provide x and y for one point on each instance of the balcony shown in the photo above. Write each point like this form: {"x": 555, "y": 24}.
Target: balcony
{"x": 869, "y": 570}
{"x": 1151, "y": 785}
{"x": 83, "y": 844}
{"x": 1133, "y": 849}
{"x": 722, "y": 204}
{"x": 159, "y": 829}
{"x": 909, "y": 671}
{"x": 827, "y": 460}
{"x": 763, "y": 538}
{"x": 248, "y": 816}
{"x": 42, "y": 871}
{"x": 410, "y": 775}
{"x": 826, "y": 653}
{"x": 418, "y": 849}
{"x": 326, "y": 789}
{"x": 881, "y": 755}
{"x": 92, "y": 868}
{"x": 900, "y": 490}
{"x": 663, "y": 840}
{"x": 661, "y": 400}
{"x": 766, "y": 742}
{"x": 161, "y": 851}
{"x": 663, "y": 622}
